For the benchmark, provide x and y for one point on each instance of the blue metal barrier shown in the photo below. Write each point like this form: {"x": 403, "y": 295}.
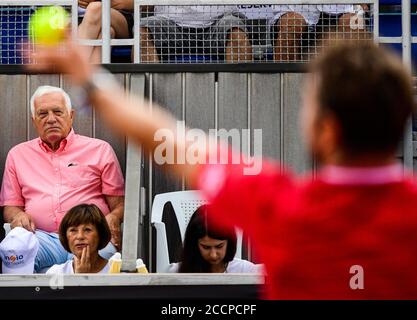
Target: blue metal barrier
{"x": 121, "y": 54}
{"x": 13, "y": 33}
{"x": 390, "y": 23}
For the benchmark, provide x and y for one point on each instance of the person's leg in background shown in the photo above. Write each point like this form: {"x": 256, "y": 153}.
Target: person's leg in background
{"x": 236, "y": 46}
{"x": 108, "y": 251}
{"x": 90, "y": 27}
{"x": 343, "y": 22}
{"x": 159, "y": 39}
{"x": 148, "y": 52}
{"x": 50, "y": 251}
{"x": 352, "y": 26}
{"x": 288, "y": 33}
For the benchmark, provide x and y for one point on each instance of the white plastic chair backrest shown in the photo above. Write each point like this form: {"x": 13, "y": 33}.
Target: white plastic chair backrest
{"x": 184, "y": 204}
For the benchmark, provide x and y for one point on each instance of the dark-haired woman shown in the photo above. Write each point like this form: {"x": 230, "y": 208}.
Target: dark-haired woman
{"x": 83, "y": 232}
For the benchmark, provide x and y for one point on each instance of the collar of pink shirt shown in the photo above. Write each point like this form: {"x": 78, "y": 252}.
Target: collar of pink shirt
{"x": 66, "y": 142}
{"x": 363, "y": 175}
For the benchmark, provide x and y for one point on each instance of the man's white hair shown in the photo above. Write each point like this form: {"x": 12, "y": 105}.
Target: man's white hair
{"x": 42, "y": 90}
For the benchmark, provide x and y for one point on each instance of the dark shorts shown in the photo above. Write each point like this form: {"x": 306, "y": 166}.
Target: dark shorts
{"x": 327, "y": 22}
{"x": 130, "y": 21}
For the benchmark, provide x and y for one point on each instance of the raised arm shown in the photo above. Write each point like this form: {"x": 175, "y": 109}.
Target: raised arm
{"x": 126, "y": 114}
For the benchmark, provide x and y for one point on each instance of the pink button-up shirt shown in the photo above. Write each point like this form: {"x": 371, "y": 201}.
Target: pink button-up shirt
{"x": 47, "y": 184}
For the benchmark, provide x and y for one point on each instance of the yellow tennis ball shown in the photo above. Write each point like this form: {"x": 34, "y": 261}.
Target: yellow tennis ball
{"x": 47, "y": 25}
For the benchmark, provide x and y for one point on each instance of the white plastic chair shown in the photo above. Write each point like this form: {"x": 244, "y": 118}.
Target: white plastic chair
{"x": 184, "y": 204}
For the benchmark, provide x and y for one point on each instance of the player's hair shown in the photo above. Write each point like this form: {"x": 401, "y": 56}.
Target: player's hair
{"x": 369, "y": 92}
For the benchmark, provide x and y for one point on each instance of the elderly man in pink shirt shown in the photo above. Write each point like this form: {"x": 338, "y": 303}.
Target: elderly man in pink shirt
{"x": 47, "y": 176}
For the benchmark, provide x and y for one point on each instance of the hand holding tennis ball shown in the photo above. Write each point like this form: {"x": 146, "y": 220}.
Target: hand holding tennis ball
{"x": 47, "y": 25}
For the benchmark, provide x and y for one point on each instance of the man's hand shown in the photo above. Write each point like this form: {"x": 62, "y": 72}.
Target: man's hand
{"x": 83, "y": 265}
{"x": 114, "y": 224}
{"x": 24, "y": 220}
{"x": 114, "y": 218}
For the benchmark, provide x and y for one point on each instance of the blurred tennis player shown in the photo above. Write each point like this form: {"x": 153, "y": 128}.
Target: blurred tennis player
{"x": 349, "y": 234}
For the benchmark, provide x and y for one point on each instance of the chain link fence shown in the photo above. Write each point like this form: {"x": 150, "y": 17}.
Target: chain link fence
{"x": 247, "y": 33}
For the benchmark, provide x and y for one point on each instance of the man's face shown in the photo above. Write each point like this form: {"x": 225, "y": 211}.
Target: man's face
{"x": 52, "y": 120}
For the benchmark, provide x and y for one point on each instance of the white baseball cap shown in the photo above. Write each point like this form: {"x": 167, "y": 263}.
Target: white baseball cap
{"x": 18, "y": 251}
